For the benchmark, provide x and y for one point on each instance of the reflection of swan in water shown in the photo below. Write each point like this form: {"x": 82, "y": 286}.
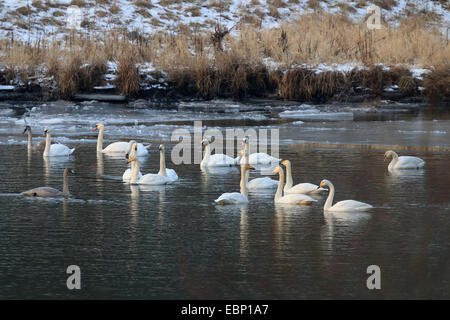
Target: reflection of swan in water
{"x": 289, "y": 199}
{"x": 52, "y": 163}
{"x": 343, "y": 206}
{"x": 117, "y": 147}
{"x": 407, "y": 174}
{"x": 304, "y": 188}
{"x": 404, "y": 162}
{"x": 134, "y": 201}
{"x": 99, "y": 164}
{"x": 47, "y": 192}
{"x": 236, "y": 197}
{"x": 57, "y": 149}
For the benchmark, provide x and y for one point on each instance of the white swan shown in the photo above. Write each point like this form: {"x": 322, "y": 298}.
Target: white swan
{"x": 149, "y": 179}
{"x": 170, "y": 173}
{"x": 345, "y": 205}
{"x": 303, "y": 188}
{"x": 294, "y": 199}
{"x": 47, "y": 192}
{"x": 57, "y": 149}
{"x": 257, "y": 183}
{"x": 258, "y": 157}
{"x": 117, "y": 147}
{"x": 216, "y": 160}
{"x": 130, "y": 152}
{"x": 236, "y": 197}
{"x": 404, "y": 162}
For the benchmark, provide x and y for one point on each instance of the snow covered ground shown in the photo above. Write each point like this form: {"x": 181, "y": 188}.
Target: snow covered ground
{"x": 37, "y": 19}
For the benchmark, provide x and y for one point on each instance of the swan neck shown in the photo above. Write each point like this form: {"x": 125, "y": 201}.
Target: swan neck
{"x": 100, "y": 140}
{"x": 330, "y": 197}
{"x": 47, "y": 144}
{"x": 162, "y": 163}
{"x": 279, "y": 192}
{"x": 134, "y": 172}
{"x": 289, "y": 181}
{"x": 207, "y": 154}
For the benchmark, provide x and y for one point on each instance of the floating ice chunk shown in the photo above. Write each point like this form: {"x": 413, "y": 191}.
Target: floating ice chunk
{"x": 333, "y": 116}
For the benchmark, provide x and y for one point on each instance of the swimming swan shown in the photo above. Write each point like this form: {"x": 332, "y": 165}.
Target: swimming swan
{"x": 47, "y": 192}
{"x": 38, "y": 146}
{"x": 169, "y": 173}
{"x": 404, "y": 162}
{"x": 258, "y": 157}
{"x": 149, "y": 179}
{"x": 303, "y": 188}
{"x": 130, "y": 152}
{"x": 257, "y": 183}
{"x": 117, "y": 147}
{"x": 57, "y": 149}
{"x": 216, "y": 160}
{"x": 295, "y": 199}
{"x": 236, "y": 197}
{"x": 345, "y": 205}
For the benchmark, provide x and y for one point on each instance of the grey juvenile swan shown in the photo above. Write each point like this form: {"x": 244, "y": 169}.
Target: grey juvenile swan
{"x": 47, "y": 192}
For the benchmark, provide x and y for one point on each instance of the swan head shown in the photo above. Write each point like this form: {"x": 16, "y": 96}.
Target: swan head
{"x": 132, "y": 155}
{"x": 286, "y": 163}
{"x": 27, "y": 128}
{"x": 130, "y": 146}
{"x": 389, "y": 154}
{"x": 205, "y": 141}
{"x": 98, "y": 126}
{"x": 245, "y": 141}
{"x": 45, "y": 132}
{"x": 161, "y": 147}
{"x": 324, "y": 183}
{"x": 248, "y": 167}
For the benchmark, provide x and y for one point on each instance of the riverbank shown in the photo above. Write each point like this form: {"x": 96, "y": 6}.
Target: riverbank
{"x": 301, "y": 84}
{"x": 314, "y": 58}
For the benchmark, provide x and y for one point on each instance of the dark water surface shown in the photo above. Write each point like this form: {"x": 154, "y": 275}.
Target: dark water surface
{"x": 174, "y": 242}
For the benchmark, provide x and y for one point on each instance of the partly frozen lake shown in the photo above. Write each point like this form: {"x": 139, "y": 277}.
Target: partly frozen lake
{"x": 174, "y": 242}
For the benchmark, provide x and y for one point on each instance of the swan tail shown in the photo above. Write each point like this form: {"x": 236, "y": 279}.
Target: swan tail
{"x": 147, "y": 146}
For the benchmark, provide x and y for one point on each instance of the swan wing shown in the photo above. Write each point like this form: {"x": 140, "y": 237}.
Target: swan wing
{"x": 43, "y": 192}
{"x": 142, "y": 150}
{"x": 154, "y": 179}
{"x": 220, "y": 160}
{"x": 407, "y": 162}
{"x": 262, "y": 183}
{"x": 304, "y": 188}
{"x": 296, "y": 199}
{"x": 231, "y": 198}
{"x": 120, "y": 146}
{"x": 350, "y": 205}
{"x": 171, "y": 174}
{"x": 58, "y": 149}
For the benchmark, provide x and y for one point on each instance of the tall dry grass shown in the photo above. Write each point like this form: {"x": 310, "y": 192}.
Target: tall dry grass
{"x": 238, "y": 67}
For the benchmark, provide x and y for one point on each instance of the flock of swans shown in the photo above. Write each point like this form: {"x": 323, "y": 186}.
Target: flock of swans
{"x": 286, "y": 193}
